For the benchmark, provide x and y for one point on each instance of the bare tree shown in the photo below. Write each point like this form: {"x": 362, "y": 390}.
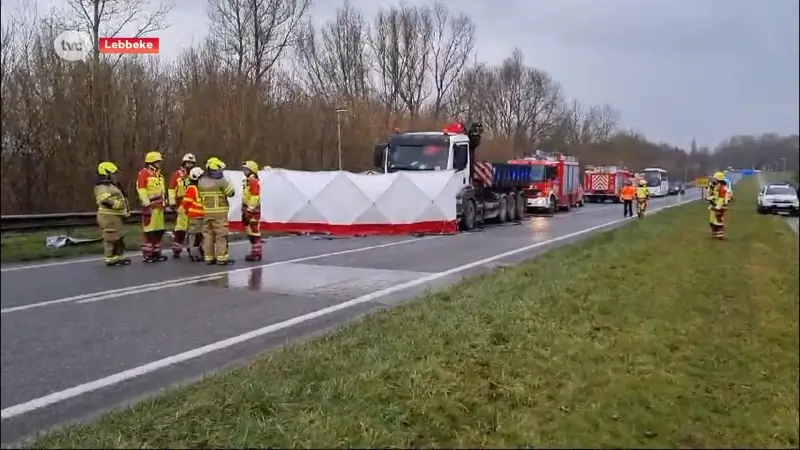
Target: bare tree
{"x": 231, "y": 21}
{"x": 334, "y": 61}
{"x": 453, "y": 44}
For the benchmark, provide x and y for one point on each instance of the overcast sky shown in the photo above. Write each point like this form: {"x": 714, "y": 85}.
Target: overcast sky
{"x": 674, "y": 68}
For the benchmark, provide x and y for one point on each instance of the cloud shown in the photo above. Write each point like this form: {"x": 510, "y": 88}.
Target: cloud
{"x": 676, "y": 69}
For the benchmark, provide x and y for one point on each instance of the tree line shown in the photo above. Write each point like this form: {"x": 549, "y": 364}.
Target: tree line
{"x": 271, "y": 85}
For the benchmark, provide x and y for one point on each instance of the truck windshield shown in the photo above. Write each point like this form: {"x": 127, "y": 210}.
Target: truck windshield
{"x": 538, "y": 173}
{"x": 417, "y": 157}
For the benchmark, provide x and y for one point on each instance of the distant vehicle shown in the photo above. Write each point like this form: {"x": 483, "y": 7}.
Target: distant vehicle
{"x": 603, "y": 183}
{"x": 556, "y": 183}
{"x": 778, "y": 198}
{"x": 676, "y": 188}
{"x": 657, "y": 181}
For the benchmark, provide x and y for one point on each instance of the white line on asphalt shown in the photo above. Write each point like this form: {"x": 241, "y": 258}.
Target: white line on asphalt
{"x": 95, "y": 259}
{"x": 151, "y": 288}
{"x": 129, "y": 290}
{"x": 120, "y": 377}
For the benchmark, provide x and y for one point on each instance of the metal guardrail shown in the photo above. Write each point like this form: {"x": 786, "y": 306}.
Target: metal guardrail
{"x": 37, "y": 222}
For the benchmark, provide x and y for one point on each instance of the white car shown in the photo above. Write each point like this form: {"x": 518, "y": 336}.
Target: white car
{"x": 778, "y": 198}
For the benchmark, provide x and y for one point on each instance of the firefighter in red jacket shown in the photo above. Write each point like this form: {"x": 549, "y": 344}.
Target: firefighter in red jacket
{"x": 177, "y": 189}
{"x": 251, "y": 209}
{"x": 150, "y": 187}
{"x": 195, "y": 212}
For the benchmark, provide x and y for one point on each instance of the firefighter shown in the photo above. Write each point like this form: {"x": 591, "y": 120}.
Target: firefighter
{"x": 215, "y": 192}
{"x": 251, "y": 209}
{"x": 177, "y": 188}
{"x": 150, "y": 187}
{"x": 627, "y": 194}
{"x": 642, "y": 195}
{"x": 717, "y": 207}
{"x": 112, "y": 206}
{"x": 193, "y": 207}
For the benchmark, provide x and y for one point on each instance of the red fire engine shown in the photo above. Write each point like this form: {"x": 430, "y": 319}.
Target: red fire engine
{"x": 556, "y": 185}
{"x": 604, "y": 183}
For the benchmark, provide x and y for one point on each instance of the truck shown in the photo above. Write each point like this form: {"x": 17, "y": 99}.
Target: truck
{"x": 604, "y": 183}
{"x": 555, "y": 182}
{"x": 490, "y": 191}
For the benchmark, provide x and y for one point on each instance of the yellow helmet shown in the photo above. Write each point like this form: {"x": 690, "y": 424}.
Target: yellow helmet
{"x": 153, "y": 157}
{"x": 215, "y": 163}
{"x": 719, "y": 176}
{"x": 106, "y": 168}
{"x": 642, "y": 183}
{"x": 251, "y": 165}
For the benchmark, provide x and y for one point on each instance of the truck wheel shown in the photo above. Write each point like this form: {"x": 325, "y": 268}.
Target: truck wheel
{"x": 468, "y": 216}
{"x": 552, "y": 205}
{"x": 511, "y": 205}
{"x": 521, "y": 205}
{"x": 502, "y": 206}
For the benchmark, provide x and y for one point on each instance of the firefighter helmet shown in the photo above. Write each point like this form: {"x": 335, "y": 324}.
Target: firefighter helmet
{"x": 251, "y": 165}
{"x": 189, "y": 157}
{"x": 215, "y": 163}
{"x": 106, "y": 168}
{"x": 195, "y": 173}
{"x": 642, "y": 183}
{"x": 719, "y": 176}
{"x": 153, "y": 157}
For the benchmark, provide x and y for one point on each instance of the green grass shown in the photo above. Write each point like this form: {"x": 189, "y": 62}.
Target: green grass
{"x": 652, "y": 335}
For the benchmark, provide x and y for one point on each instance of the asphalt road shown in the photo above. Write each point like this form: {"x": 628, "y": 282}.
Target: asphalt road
{"x": 79, "y": 338}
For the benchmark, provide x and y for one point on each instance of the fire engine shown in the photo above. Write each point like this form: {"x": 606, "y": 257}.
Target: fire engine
{"x": 604, "y": 183}
{"x": 555, "y": 182}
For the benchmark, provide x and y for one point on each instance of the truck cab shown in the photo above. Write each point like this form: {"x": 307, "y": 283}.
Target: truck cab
{"x": 487, "y": 191}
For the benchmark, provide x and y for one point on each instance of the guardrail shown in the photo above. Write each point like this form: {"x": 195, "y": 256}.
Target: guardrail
{"x": 37, "y": 222}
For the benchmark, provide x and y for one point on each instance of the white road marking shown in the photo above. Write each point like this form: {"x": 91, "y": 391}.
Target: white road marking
{"x": 121, "y": 292}
{"x": 135, "y": 372}
{"x": 69, "y": 261}
{"x": 148, "y": 289}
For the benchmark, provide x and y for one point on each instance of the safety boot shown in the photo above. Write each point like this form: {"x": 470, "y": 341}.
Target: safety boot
{"x": 176, "y": 255}
{"x": 225, "y": 262}
{"x": 252, "y": 257}
{"x": 210, "y": 262}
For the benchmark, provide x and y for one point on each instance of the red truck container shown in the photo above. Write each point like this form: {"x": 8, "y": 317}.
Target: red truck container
{"x": 604, "y": 183}
{"x": 556, "y": 183}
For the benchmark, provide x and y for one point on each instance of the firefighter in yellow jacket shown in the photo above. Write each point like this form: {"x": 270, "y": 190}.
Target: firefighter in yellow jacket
{"x": 151, "y": 189}
{"x": 215, "y": 194}
{"x": 642, "y": 196}
{"x": 112, "y": 206}
{"x": 175, "y": 192}
{"x": 251, "y": 209}
{"x": 717, "y": 207}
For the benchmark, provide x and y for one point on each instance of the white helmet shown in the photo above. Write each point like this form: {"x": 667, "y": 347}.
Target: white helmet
{"x": 189, "y": 157}
{"x": 195, "y": 173}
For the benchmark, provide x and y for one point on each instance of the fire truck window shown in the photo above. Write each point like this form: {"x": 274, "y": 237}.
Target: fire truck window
{"x": 460, "y": 156}
{"x": 551, "y": 172}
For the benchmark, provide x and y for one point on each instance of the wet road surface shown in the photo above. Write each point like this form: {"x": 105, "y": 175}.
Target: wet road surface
{"x": 79, "y": 338}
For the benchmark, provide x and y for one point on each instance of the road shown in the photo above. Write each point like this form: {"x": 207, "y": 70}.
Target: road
{"x": 79, "y": 338}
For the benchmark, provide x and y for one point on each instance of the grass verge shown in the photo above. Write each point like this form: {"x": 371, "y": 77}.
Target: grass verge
{"x": 651, "y": 335}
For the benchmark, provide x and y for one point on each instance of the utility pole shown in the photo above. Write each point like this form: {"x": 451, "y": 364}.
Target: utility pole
{"x": 339, "y": 133}
{"x": 784, "y": 164}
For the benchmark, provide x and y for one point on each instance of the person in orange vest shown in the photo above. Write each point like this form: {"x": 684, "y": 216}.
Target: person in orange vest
{"x": 193, "y": 207}
{"x": 251, "y": 210}
{"x": 150, "y": 187}
{"x": 176, "y": 190}
{"x": 627, "y": 194}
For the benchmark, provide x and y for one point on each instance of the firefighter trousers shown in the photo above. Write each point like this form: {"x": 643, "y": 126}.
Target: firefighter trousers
{"x": 195, "y": 238}
{"x": 215, "y": 238}
{"x": 641, "y": 206}
{"x": 113, "y": 243}
{"x": 179, "y": 232}
{"x": 627, "y": 208}
{"x": 716, "y": 221}
{"x": 153, "y": 228}
{"x": 252, "y": 226}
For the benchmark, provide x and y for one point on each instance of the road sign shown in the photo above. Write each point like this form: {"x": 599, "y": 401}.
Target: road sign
{"x": 702, "y": 182}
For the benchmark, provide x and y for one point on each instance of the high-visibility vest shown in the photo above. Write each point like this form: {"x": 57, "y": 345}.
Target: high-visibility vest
{"x": 214, "y": 194}
{"x": 628, "y": 192}
{"x": 110, "y": 200}
{"x": 177, "y": 186}
{"x": 191, "y": 203}
{"x": 251, "y": 192}
{"x": 642, "y": 192}
{"x": 150, "y": 187}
